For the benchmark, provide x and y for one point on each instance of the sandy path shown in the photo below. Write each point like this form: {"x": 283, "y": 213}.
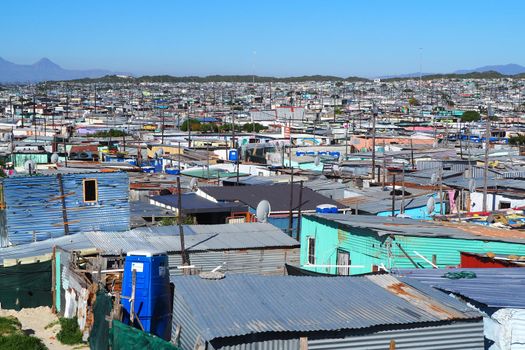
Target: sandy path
{"x": 36, "y": 320}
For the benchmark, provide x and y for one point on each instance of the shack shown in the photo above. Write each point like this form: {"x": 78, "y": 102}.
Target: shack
{"x": 39, "y": 207}
{"x": 356, "y": 244}
{"x": 288, "y": 312}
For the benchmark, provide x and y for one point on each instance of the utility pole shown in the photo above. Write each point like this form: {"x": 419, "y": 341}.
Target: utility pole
{"x": 402, "y": 209}
{"x": 374, "y": 113}
{"x": 185, "y": 257}
{"x": 290, "y": 221}
{"x": 490, "y": 113}
{"x": 394, "y": 195}
{"x": 298, "y": 233}
{"x": 441, "y": 211}
{"x": 178, "y": 156}
{"x": 346, "y": 142}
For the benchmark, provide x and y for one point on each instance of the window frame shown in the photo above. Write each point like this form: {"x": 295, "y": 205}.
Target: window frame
{"x": 505, "y": 203}
{"x": 84, "y": 190}
{"x": 310, "y": 256}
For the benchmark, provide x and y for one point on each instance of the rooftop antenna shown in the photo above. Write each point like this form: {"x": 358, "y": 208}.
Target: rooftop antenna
{"x": 431, "y": 205}
{"x": 263, "y": 210}
{"x": 194, "y": 183}
{"x": 30, "y": 166}
{"x": 54, "y": 158}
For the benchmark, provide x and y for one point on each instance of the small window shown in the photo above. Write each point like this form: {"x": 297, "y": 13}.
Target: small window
{"x": 90, "y": 187}
{"x": 311, "y": 250}
{"x": 504, "y": 205}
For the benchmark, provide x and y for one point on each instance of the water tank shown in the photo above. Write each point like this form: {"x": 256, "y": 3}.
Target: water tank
{"x": 172, "y": 171}
{"x": 152, "y": 303}
{"x": 326, "y": 209}
{"x": 148, "y": 169}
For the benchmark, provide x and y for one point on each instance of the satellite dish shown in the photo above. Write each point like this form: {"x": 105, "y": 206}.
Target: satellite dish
{"x": 317, "y": 160}
{"x": 431, "y": 205}
{"x": 263, "y": 210}
{"x": 30, "y": 166}
{"x": 54, "y": 158}
{"x": 434, "y": 179}
{"x": 472, "y": 185}
{"x": 159, "y": 153}
{"x": 194, "y": 183}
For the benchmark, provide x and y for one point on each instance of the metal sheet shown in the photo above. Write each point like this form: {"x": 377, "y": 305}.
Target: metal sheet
{"x": 456, "y": 336}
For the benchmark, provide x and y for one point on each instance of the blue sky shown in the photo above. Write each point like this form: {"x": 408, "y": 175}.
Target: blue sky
{"x": 265, "y": 37}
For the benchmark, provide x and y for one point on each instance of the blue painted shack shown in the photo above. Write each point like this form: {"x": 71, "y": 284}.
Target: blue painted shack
{"x": 35, "y": 208}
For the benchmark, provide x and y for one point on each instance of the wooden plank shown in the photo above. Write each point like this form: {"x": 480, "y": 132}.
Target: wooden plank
{"x": 303, "y": 343}
{"x": 53, "y": 280}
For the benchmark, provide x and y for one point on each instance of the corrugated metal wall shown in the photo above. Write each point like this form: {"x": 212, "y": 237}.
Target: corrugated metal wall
{"x": 251, "y": 261}
{"x": 456, "y": 336}
{"x": 34, "y": 207}
{"x": 183, "y": 317}
{"x": 276, "y": 344}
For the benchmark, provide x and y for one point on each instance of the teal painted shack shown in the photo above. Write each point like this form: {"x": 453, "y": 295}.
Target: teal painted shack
{"x": 342, "y": 244}
{"x": 39, "y": 207}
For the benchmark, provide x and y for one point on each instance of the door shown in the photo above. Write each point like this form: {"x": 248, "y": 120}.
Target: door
{"x": 343, "y": 262}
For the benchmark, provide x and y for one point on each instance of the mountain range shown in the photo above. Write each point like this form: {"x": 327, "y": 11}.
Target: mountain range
{"x": 504, "y": 69}
{"x": 46, "y": 70}
{"x": 43, "y": 70}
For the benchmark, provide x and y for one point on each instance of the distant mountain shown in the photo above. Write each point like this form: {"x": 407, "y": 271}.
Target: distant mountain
{"x": 216, "y": 78}
{"x": 505, "y": 69}
{"x": 43, "y": 70}
{"x": 404, "y": 76}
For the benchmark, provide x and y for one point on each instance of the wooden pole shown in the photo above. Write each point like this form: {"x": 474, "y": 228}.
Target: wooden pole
{"x": 184, "y": 256}
{"x": 53, "y": 280}
{"x": 63, "y": 201}
{"x": 290, "y": 221}
{"x": 299, "y": 211}
{"x": 394, "y": 196}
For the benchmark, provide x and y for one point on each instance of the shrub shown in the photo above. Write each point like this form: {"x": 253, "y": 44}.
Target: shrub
{"x": 69, "y": 333}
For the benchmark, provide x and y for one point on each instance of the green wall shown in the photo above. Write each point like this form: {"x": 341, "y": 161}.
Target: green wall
{"x": 367, "y": 249}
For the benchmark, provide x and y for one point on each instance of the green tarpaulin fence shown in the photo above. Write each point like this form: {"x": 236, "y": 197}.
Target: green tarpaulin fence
{"x": 26, "y": 286}
{"x": 124, "y": 337}
{"x": 99, "y": 336}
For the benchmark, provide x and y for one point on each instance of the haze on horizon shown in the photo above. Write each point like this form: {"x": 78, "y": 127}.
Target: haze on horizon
{"x": 271, "y": 37}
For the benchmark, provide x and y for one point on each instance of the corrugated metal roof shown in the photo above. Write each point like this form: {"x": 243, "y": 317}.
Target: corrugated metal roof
{"x": 494, "y": 287}
{"x": 165, "y": 238}
{"x": 277, "y": 194}
{"x": 246, "y": 304}
{"x": 410, "y": 227}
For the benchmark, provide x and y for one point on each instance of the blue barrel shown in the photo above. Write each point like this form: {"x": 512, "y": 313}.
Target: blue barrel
{"x": 326, "y": 209}
{"x": 172, "y": 171}
{"x": 152, "y": 292}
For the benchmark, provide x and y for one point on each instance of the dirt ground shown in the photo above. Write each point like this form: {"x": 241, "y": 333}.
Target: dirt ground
{"x": 34, "y": 322}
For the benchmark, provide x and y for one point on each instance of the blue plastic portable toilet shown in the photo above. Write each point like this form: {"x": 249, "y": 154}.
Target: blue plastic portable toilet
{"x": 232, "y": 155}
{"x": 152, "y": 292}
{"x": 326, "y": 209}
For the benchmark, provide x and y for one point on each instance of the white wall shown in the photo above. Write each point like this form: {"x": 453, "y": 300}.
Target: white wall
{"x": 476, "y": 201}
